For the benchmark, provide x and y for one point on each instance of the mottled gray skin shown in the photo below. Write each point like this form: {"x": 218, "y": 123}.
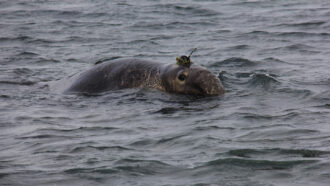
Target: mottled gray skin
{"x": 134, "y": 73}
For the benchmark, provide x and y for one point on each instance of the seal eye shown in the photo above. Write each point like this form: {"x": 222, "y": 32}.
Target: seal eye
{"x": 182, "y": 77}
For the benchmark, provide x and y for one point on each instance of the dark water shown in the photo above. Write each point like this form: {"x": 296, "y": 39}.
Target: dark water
{"x": 270, "y": 128}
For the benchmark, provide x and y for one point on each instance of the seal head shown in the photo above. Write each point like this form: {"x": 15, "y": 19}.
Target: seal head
{"x": 187, "y": 78}
{"x": 192, "y": 79}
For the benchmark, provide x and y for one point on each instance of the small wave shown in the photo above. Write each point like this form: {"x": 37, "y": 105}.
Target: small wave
{"x": 299, "y": 47}
{"x": 44, "y": 12}
{"x": 231, "y": 80}
{"x": 96, "y": 15}
{"x": 265, "y": 81}
{"x": 91, "y": 170}
{"x": 253, "y": 116}
{"x": 327, "y": 106}
{"x": 167, "y": 110}
{"x": 170, "y": 25}
{"x": 45, "y": 136}
{"x": 76, "y": 23}
{"x": 17, "y": 38}
{"x": 212, "y": 127}
{"x": 2, "y": 175}
{"x": 301, "y": 34}
{"x": 186, "y": 10}
{"x": 277, "y": 134}
{"x": 239, "y": 47}
{"x": 28, "y": 39}
{"x": 169, "y": 139}
{"x": 77, "y": 130}
{"x": 223, "y": 31}
{"x": 46, "y": 60}
{"x": 143, "y": 142}
{"x": 275, "y": 60}
{"x": 248, "y": 3}
{"x": 258, "y": 32}
{"x": 141, "y": 41}
{"x": 23, "y": 82}
{"x": 235, "y": 62}
{"x": 298, "y": 93}
{"x": 258, "y": 164}
{"x": 145, "y": 167}
{"x": 307, "y": 24}
{"x": 162, "y": 37}
{"x": 28, "y": 54}
{"x": 80, "y": 39}
{"x": 4, "y": 96}
{"x": 243, "y": 74}
{"x": 22, "y": 71}
{"x": 305, "y": 153}
{"x": 322, "y": 97}
{"x": 296, "y": 48}
{"x": 98, "y": 148}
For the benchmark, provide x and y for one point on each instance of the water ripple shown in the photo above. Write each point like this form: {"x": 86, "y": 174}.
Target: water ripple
{"x": 304, "y": 153}
{"x": 235, "y": 62}
{"x": 269, "y": 128}
{"x": 259, "y": 164}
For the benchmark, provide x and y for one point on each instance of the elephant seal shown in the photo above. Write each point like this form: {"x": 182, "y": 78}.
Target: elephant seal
{"x": 134, "y": 73}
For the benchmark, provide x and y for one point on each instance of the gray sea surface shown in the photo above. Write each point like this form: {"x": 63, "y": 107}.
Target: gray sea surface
{"x": 272, "y": 127}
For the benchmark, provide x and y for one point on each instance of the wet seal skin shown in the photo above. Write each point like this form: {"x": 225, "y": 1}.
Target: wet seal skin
{"x": 183, "y": 77}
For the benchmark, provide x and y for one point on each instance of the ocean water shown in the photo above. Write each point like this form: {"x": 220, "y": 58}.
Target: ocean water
{"x": 270, "y": 128}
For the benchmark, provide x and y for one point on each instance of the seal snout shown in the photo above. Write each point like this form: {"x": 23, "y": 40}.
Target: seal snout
{"x": 208, "y": 83}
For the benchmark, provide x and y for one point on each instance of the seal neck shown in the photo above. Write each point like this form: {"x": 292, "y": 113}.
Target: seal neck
{"x": 153, "y": 77}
